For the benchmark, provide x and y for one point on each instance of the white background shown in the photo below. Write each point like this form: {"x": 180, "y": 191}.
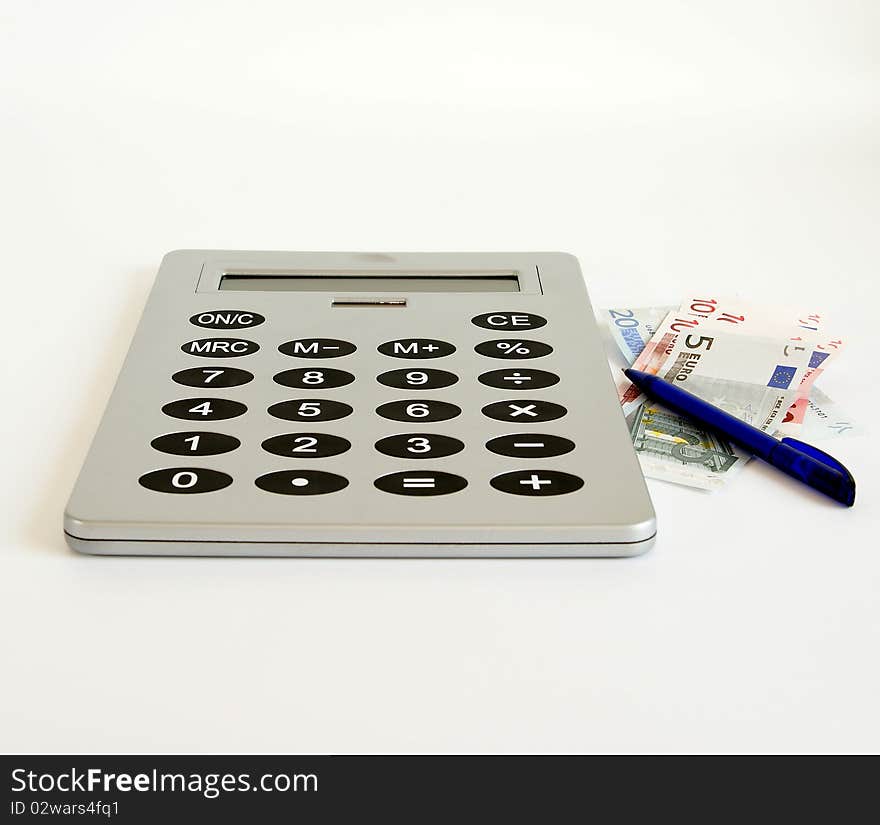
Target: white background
{"x": 670, "y": 145}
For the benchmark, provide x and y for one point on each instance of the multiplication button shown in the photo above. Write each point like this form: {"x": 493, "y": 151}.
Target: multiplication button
{"x": 514, "y": 349}
{"x": 420, "y": 483}
{"x": 301, "y": 482}
{"x": 519, "y": 379}
{"x": 185, "y": 480}
{"x": 530, "y": 445}
{"x": 537, "y": 483}
{"x": 524, "y": 412}
{"x": 509, "y": 320}
{"x": 416, "y": 348}
{"x": 317, "y": 348}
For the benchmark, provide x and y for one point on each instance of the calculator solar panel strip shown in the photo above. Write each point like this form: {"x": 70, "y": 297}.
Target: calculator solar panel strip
{"x": 353, "y": 404}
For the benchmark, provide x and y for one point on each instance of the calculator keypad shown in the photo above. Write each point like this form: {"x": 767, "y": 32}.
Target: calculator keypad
{"x": 407, "y": 446}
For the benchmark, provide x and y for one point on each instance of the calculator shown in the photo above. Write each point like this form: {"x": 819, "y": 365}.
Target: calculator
{"x": 363, "y": 404}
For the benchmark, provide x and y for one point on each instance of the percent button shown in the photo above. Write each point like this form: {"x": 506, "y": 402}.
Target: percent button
{"x": 513, "y": 348}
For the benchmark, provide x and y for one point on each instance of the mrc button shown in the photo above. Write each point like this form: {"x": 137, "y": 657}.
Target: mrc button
{"x": 227, "y": 319}
{"x": 509, "y": 320}
{"x": 220, "y": 347}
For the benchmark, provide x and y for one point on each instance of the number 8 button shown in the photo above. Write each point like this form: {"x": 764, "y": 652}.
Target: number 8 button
{"x": 315, "y": 378}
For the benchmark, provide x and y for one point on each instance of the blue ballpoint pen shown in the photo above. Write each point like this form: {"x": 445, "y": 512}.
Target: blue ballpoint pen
{"x": 794, "y": 458}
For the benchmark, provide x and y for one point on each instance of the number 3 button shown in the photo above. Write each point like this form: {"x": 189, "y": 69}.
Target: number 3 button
{"x": 419, "y": 445}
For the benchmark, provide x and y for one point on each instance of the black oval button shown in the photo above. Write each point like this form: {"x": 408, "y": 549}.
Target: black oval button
{"x": 213, "y": 377}
{"x": 220, "y": 347}
{"x": 227, "y": 319}
{"x": 306, "y": 445}
{"x": 195, "y": 443}
{"x": 185, "y": 480}
{"x": 521, "y": 379}
{"x": 418, "y": 410}
{"x": 314, "y": 378}
{"x": 537, "y": 483}
{"x": 310, "y": 409}
{"x": 301, "y": 482}
{"x": 416, "y": 348}
{"x": 529, "y": 445}
{"x": 524, "y": 412}
{"x": 417, "y": 379}
{"x": 419, "y": 445}
{"x": 204, "y": 409}
{"x": 420, "y": 483}
{"x": 509, "y": 320}
{"x": 514, "y": 348}
{"x": 317, "y": 348}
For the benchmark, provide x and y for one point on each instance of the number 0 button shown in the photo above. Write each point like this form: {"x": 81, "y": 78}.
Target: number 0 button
{"x": 195, "y": 443}
{"x": 424, "y": 379}
{"x": 306, "y": 445}
{"x": 185, "y": 480}
{"x": 314, "y": 378}
{"x": 419, "y": 445}
{"x": 204, "y": 409}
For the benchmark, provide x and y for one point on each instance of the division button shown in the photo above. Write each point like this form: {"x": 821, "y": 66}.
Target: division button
{"x": 301, "y": 482}
{"x": 306, "y": 445}
{"x": 417, "y": 379}
{"x": 220, "y": 347}
{"x": 195, "y": 443}
{"x": 514, "y": 349}
{"x": 317, "y": 348}
{"x": 537, "y": 483}
{"x": 416, "y": 348}
{"x": 227, "y": 319}
{"x": 519, "y": 379}
{"x": 509, "y": 320}
{"x": 185, "y": 480}
{"x": 310, "y": 409}
{"x": 314, "y": 378}
{"x": 420, "y": 483}
{"x": 213, "y": 377}
{"x": 419, "y": 445}
{"x": 204, "y": 409}
{"x": 530, "y": 445}
{"x": 524, "y": 412}
{"x": 418, "y": 410}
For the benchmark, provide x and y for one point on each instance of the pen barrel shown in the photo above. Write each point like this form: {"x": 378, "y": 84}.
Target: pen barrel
{"x": 813, "y": 473}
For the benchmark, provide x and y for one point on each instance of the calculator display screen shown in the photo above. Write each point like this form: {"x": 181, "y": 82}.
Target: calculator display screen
{"x": 380, "y": 282}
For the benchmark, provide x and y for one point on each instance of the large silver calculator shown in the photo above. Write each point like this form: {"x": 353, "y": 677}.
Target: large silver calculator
{"x": 353, "y": 404}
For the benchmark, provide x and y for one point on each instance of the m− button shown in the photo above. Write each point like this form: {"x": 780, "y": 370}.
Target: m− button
{"x": 530, "y": 445}
{"x": 227, "y": 319}
{"x": 317, "y": 348}
{"x": 220, "y": 347}
{"x": 416, "y": 348}
{"x": 519, "y": 379}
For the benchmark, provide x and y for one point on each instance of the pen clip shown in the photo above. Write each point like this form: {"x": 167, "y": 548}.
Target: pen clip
{"x": 819, "y": 455}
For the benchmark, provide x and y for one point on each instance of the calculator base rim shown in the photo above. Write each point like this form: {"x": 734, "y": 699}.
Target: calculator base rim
{"x": 366, "y": 550}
